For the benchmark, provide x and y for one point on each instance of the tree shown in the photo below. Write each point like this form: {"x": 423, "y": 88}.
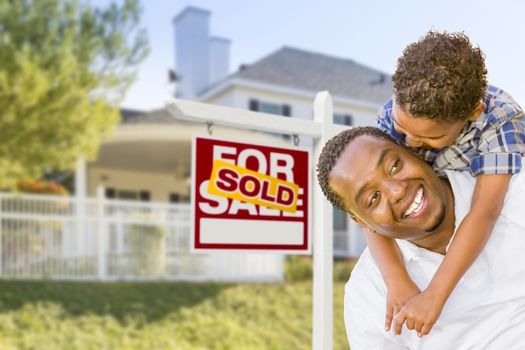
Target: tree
{"x": 64, "y": 68}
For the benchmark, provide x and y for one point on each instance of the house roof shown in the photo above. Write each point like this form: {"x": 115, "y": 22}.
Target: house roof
{"x": 156, "y": 116}
{"x": 130, "y": 114}
{"x": 159, "y": 116}
{"x": 300, "y": 69}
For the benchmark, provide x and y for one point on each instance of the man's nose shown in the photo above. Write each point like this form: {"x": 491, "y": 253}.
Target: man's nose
{"x": 413, "y": 142}
{"x": 395, "y": 190}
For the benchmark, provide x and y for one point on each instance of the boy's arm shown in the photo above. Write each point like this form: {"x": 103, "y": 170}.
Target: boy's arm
{"x": 422, "y": 312}
{"x": 388, "y": 258}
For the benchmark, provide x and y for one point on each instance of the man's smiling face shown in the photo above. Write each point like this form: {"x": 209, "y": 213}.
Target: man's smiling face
{"x": 389, "y": 189}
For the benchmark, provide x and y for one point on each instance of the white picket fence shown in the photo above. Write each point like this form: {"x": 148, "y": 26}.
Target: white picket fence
{"x": 99, "y": 239}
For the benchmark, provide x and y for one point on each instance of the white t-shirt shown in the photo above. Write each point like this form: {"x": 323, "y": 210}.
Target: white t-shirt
{"x": 486, "y": 309}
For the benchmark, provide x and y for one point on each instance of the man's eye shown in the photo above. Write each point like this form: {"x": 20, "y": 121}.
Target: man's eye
{"x": 395, "y": 167}
{"x": 375, "y": 197}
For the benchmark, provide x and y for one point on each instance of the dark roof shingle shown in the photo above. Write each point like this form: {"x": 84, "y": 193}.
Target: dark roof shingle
{"x": 305, "y": 70}
{"x": 160, "y": 116}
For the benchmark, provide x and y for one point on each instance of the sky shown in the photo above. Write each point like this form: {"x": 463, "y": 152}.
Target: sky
{"x": 370, "y": 32}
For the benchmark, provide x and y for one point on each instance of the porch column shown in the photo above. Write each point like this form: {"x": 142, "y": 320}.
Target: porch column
{"x": 101, "y": 233}
{"x": 80, "y": 178}
{"x": 80, "y": 207}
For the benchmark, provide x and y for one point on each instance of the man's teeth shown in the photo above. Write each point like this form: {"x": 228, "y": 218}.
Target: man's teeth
{"x": 416, "y": 204}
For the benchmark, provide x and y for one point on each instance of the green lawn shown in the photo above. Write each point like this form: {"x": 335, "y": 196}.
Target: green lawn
{"x": 81, "y": 315}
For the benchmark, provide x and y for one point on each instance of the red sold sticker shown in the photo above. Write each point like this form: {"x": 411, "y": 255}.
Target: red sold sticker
{"x": 249, "y": 197}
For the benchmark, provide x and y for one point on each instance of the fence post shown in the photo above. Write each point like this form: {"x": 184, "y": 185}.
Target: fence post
{"x": 322, "y": 237}
{"x": 101, "y": 233}
{"x": 1, "y": 240}
{"x": 80, "y": 201}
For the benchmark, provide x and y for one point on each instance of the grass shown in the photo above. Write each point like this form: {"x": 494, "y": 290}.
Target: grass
{"x": 81, "y": 315}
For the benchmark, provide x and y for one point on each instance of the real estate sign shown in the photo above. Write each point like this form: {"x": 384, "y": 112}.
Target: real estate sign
{"x": 250, "y": 197}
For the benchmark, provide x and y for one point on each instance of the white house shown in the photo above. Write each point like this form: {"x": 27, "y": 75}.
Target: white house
{"x": 284, "y": 82}
{"x": 144, "y": 167}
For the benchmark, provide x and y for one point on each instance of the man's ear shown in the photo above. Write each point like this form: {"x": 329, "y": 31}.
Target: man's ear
{"x": 477, "y": 112}
{"x": 361, "y": 223}
{"x": 355, "y": 218}
{"x": 358, "y": 220}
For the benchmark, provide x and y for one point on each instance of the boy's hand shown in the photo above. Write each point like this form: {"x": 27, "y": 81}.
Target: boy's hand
{"x": 420, "y": 313}
{"x": 398, "y": 295}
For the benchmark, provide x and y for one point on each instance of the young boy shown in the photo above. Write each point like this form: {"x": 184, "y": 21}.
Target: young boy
{"x": 443, "y": 107}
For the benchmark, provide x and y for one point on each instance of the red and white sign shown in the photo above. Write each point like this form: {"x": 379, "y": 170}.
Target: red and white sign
{"x": 249, "y": 197}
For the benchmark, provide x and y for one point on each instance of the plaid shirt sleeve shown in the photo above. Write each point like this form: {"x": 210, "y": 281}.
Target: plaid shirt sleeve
{"x": 386, "y": 124}
{"x": 500, "y": 148}
{"x": 384, "y": 119}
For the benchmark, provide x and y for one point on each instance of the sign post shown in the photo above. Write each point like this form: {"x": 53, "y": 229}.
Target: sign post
{"x": 322, "y": 337}
{"x": 320, "y": 129}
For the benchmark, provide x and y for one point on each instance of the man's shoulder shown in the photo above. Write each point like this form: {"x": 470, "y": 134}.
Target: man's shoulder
{"x": 364, "y": 274}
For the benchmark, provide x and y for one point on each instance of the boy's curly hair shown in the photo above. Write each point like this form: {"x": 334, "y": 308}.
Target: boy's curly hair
{"x": 442, "y": 77}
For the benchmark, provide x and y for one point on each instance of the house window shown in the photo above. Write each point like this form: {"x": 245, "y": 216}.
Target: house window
{"x": 340, "y": 220}
{"x": 132, "y": 195}
{"x": 175, "y": 198}
{"x": 253, "y": 105}
{"x": 110, "y": 193}
{"x": 269, "y": 107}
{"x": 179, "y": 198}
{"x": 343, "y": 119}
{"x": 127, "y": 195}
{"x": 144, "y": 196}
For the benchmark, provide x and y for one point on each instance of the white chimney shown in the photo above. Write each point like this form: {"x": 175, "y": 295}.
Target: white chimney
{"x": 192, "y": 51}
{"x": 219, "y": 59}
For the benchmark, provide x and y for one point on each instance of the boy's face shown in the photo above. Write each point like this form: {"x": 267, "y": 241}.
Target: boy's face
{"x": 423, "y": 132}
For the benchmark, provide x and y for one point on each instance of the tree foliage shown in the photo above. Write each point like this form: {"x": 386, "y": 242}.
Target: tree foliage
{"x": 64, "y": 67}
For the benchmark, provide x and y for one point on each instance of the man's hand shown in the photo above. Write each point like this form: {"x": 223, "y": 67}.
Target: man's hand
{"x": 398, "y": 295}
{"x": 420, "y": 313}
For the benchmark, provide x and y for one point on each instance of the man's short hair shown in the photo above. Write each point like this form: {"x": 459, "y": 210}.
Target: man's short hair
{"x": 441, "y": 77}
{"x": 332, "y": 151}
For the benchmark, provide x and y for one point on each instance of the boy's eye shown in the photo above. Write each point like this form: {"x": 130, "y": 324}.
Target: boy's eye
{"x": 395, "y": 167}
{"x": 373, "y": 198}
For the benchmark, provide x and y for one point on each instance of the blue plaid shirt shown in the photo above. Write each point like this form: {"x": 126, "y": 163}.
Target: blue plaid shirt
{"x": 492, "y": 144}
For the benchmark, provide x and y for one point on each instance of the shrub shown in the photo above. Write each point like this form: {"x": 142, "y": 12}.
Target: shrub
{"x": 343, "y": 269}
{"x": 298, "y": 268}
{"x": 42, "y": 187}
{"x": 147, "y": 246}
